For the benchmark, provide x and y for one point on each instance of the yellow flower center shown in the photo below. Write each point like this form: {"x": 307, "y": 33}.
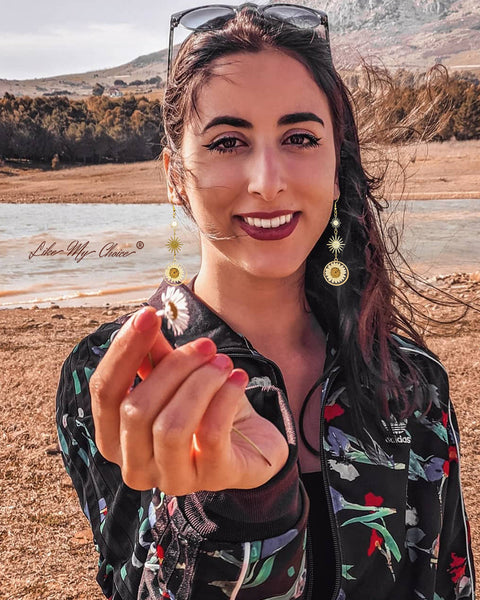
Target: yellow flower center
{"x": 173, "y": 311}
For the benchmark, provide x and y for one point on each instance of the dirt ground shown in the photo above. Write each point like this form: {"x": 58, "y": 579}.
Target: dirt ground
{"x": 45, "y": 544}
{"x": 432, "y": 171}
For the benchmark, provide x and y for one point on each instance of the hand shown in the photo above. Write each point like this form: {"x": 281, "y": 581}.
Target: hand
{"x": 176, "y": 429}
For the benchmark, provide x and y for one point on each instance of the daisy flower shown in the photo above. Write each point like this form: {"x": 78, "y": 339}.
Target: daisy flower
{"x": 175, "y": 310}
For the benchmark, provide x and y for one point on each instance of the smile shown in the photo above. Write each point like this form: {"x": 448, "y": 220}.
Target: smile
{"x": 268, "y": 223}
{"x": 277, "y": 228}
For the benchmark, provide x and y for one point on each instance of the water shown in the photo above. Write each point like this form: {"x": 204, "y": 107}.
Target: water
{"x": 87, "y": 254}
{"x": 91, "y": 254}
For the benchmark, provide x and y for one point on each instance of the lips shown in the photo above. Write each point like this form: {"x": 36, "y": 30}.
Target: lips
{"x": 273, "y": 228}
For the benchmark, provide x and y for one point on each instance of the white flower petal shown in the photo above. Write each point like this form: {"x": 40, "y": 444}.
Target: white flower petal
{"x": 176, "y": 310}
{"x": 345, "y": 470}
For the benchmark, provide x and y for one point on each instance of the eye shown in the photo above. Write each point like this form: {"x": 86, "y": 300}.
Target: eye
{"x": 225, "y": 144}
{"x": 303, "y": 140}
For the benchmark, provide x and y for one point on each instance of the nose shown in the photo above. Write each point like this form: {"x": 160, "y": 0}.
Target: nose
{"x": 266, "y": 178}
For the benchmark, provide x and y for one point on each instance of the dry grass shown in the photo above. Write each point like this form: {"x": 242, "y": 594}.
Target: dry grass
{"x": 45, "y": 542}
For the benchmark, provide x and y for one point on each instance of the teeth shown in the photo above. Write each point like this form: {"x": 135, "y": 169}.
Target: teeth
{"x": 269, "y": 223}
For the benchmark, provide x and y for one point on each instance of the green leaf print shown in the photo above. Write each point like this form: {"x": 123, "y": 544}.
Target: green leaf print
{"x": 345, "y": 572}
{"x": 390, "y": 543}
{"x": 263, "y": 574}
{"x": 379, "y": 514}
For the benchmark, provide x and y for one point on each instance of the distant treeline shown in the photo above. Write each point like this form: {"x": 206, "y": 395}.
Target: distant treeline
{"x": 391, "y": 109}
{"x": 93, "y": 130}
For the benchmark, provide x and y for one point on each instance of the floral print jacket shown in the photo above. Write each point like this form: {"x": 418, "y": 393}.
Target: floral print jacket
{"x": 397, "y": 515}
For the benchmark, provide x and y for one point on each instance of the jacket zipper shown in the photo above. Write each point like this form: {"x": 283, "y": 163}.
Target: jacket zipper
{"x": 331, "y": 514}
{"x": 335, "y": 538}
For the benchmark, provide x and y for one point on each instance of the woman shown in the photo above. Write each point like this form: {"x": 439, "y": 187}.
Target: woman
{"x": 193, "y": 478}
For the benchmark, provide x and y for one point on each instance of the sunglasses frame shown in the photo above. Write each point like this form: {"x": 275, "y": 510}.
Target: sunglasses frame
{"x": 175, "y": 20}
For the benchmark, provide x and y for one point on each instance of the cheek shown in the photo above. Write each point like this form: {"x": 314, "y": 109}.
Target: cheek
{"x": 215, "y": 190}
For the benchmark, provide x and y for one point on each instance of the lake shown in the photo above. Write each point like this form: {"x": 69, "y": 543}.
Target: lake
{"x": 93, "y": 254}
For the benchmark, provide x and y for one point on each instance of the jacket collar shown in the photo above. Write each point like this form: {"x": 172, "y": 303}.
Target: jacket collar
{"x": 187, "y": 317}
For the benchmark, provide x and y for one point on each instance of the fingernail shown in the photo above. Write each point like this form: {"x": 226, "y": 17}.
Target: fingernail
{"x": 222, "y": 362}
{"x": 204, "y": 346}
{"x": 239, "y": 378}
{"x": 145, "y": 319}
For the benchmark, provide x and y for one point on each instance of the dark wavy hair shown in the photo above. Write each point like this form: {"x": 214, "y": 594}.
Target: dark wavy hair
{"x": 361, "y": 315}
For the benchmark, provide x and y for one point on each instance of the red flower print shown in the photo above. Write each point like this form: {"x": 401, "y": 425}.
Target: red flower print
{"x": 160, "y": 554}
{"x": 457, "y": 567}
{"x": 446, "y": 468}
{"x": 452, "y": 453}
{"x": 375, "y": 542}
{"x": 372, "y": 500}
{"x": 444, "y": 418}
{"x": 333, "y": 411}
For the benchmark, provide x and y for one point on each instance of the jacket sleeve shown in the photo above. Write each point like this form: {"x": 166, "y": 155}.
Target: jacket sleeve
{"x": 117, "y": 514}
{"x": 455, "y": 570}
{"x": 204, "y": 545}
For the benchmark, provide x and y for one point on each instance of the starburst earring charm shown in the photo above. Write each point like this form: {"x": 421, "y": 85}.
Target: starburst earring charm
{"x": 335, "y": 272}
{"x": 175, "y": 273}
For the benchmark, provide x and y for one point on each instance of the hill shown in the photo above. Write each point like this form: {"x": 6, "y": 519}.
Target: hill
{"x": 410, "y": 34}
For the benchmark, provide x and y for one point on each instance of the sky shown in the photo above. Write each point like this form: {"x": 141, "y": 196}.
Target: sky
{"x": 40, "y": 38}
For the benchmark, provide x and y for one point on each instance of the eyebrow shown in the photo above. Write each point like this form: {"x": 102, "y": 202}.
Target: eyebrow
{"x": 290, "y": 119}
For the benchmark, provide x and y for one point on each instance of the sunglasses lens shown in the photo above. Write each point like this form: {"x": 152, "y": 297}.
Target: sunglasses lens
{"x": 208, "y": 17}
{"x": 296, "y": 15}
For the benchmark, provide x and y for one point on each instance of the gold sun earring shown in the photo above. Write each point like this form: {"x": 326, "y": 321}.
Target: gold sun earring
{"x": 335, "y": 272}
{"x": 175, "y": 273}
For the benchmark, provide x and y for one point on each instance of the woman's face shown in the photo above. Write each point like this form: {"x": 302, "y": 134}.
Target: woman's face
{"x": 262, "y": 155}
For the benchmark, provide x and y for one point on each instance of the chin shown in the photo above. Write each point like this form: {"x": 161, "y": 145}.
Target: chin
{"x": 276, "y": 269}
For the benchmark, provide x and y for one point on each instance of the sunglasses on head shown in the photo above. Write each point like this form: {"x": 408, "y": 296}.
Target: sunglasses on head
{"x": 214, "y": 16}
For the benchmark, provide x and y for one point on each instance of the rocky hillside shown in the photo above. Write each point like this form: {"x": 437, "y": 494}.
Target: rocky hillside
{"x": 413, "y": 34}
{"x": 405, "y": 33}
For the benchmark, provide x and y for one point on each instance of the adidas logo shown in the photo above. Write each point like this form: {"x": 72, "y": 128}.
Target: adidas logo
{"x": 400, "y": 435}
{"x": 398, "y": 427}
{"x": 399, "y": 439}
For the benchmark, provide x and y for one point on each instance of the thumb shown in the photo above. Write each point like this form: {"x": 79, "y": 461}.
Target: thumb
{"x": 116, "y": 372}
{"x": 157, "y": 351}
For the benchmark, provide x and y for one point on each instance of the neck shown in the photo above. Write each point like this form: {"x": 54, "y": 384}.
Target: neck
{"x": 273, "y": 314}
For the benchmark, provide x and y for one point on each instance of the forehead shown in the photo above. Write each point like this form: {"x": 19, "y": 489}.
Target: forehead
{"x": 263, "y": 84}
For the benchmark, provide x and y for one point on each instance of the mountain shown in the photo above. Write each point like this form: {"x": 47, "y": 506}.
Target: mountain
{"x": 77, "y": 85}
{"x": 411, "y": 34}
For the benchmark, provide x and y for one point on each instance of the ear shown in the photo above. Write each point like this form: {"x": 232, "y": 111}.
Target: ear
{"x": 172, "y": 194}
{"x": 336, "y": 190}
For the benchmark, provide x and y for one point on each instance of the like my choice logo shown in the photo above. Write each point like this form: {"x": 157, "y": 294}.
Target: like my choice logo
{"x": 80, "y": 250}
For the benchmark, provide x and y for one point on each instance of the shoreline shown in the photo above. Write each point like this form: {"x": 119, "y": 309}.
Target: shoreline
{"x": 437, "y": 170}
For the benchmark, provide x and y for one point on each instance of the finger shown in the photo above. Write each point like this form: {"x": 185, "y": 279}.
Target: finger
{"x": 221, "y": 413}
{"x": 174, "y": 427}
{"x": 214, "y": 433}
{"x": 115, "y": 374}
{"x": 157, "y": 352}
{"x": 141, "y": 407}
